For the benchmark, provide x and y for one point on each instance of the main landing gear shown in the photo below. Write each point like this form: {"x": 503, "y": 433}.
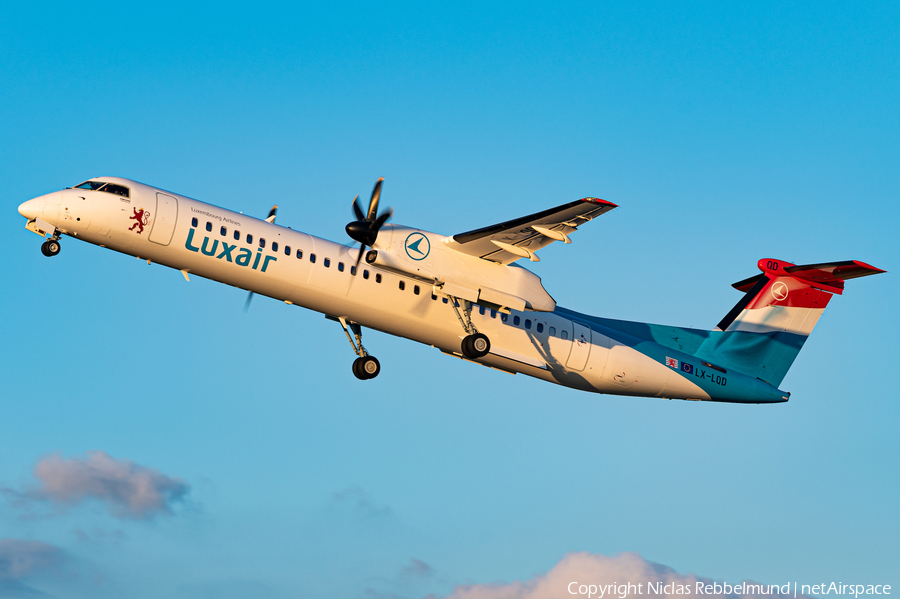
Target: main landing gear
{"x": 51, "y": 247}
{"x": 474, "y": 345}
{"x": 365, "y": 367}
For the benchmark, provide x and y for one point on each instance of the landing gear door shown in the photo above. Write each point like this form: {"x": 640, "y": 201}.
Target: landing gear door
{"x": 164, "y": 219}
{"x": 581, "y": 347}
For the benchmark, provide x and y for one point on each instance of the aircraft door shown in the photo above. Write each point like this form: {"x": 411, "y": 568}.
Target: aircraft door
{"x": 164, "y": 219}
{"x": 581, "y": 347}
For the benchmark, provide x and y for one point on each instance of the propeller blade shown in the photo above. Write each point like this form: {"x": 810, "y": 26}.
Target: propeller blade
{"x": 373, "y": 203}
{"x": 271, "y": 217}
{"x": 383, "y": 218}
{"x": 362, "y": 249}
{"x": 247, "y": 303}
{"x": 357, "y": 211}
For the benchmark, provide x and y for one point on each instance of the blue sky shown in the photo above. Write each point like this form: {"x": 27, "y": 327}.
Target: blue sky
{"x": 726, "y": 134}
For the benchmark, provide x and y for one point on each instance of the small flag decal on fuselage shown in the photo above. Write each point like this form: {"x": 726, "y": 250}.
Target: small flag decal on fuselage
{"x": 671, "y": 362}
{"x": 685, "y": 367}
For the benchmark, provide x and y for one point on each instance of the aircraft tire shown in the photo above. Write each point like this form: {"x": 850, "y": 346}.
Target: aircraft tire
{"x": 50, "y": 247}
{"x": 366, "y": 368}
{"x": 369, "y": 367}
{"x": 357, "y": 371}
{"x": 476, "y": 346}
{"x": 44, "y": 249}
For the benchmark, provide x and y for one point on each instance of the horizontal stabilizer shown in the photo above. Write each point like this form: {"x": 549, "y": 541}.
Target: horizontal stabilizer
{"x": 829, "y": 276}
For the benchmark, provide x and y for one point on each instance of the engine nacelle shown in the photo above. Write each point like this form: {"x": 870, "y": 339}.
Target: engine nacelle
{"x": 423, "y": 255}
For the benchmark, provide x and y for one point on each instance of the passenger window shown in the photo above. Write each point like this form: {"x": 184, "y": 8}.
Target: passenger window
{"x": 193, "y": 222}
{"x": 377, "y": 277}
{"x": 416, "y": 289}
{"x": 249, "y": 239}
{"x": 327, "y": 262}
{"x": 493, "y": 314}
{"x": 262, "y": 242}
{"x": 223, "y": 231}
{"x": 312, "y": 258}
{"x": 553, "y": 331}
{"x": 402, "y": 285}
{"x": 516, "y": 320}
{"x": 527, "y": 323}
{"x": 433, "y": 297}
{"x": 274, "y": 246}
{"x": 237, "y": 235}
{"x": 208, "y": 226}
{"x": 340, "y": 266}
{"x": 540, "y": 327}
{"x": 444, "y": 299}
{"x": 353, "y": 270}
{"x": 287, "y": 250}
{"x": 504, "y": 317}
{"x": 299, "y": 254}
{"x": 481, "y": 310}
{"x": 564, "y": 334}
{"x": 365, "y": 274}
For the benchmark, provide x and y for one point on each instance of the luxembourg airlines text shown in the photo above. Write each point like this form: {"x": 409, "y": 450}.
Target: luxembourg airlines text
{"x": 242, "y": 259}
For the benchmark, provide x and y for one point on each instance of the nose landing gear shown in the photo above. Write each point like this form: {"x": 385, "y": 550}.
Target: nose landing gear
{"x": 50, "y": 247}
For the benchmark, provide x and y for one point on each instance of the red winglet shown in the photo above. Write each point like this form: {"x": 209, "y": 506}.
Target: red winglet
{"x": 599, "y": 201}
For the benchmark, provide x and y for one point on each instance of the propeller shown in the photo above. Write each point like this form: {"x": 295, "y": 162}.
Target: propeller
{"x": 269, "y": 219}
{"x": 366, "y": 226}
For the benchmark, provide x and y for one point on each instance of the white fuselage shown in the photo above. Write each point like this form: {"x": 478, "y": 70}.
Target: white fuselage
{"x": 200, "y": 239}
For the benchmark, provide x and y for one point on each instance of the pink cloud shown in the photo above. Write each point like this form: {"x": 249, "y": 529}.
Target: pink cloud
{"x": 583, "y": 575}
{"x": 129, "y": 490}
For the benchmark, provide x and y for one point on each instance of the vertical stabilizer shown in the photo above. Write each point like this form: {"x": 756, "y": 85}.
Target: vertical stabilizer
{"x": 762, "y": 335}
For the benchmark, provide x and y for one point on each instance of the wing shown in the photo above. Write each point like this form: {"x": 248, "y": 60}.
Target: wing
{"x": 522, "y": 237}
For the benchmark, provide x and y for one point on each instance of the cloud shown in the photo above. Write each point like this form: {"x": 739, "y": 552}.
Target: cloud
{"x": 591, "y": 569}
{"x": 360, "y": 504}
{"x": 19, "y": 558}
{"x": 416, "y": 569}
{"x": 227, "y": 589}
{"x": 129, "y": 490}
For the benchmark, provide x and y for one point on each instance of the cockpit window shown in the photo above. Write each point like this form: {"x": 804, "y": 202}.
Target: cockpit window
{"x": 95, "y": 185}
{"x": 119, "y": 190}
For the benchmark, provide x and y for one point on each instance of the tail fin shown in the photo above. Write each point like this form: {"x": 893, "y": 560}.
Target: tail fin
{"x": 762, "y": 335}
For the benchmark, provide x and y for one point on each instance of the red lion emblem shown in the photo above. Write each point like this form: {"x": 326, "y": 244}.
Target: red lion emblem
{"x": 141, "y": 218}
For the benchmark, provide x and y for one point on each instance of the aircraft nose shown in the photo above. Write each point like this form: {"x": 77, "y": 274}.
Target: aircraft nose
{"x": 31, "y": 209}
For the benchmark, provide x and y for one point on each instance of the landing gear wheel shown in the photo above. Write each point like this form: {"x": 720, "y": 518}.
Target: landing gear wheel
{"x": 476, "y": 346}
{"x": 356, "y": 370}
{"x": 50, "y": 247}
{"x": 366, "y": 368}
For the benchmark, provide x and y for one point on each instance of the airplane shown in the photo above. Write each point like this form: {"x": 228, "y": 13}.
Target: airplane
{"x": 463, "y": 293}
